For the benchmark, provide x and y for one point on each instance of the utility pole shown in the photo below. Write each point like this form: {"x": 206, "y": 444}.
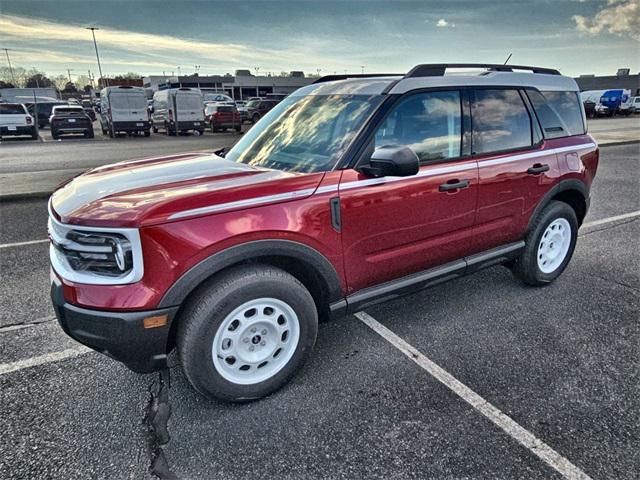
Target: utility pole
{"x": 362, "y": 69}
{"x": 13, "y": 78}
{"x": 179, "y": 81}
{"x": 95, "y": 44}
{"x": 257, "y": 85}
{"x": 69, "y": 70}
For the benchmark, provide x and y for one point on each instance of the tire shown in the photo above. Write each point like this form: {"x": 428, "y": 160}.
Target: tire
{"x": 214, "y": 128}
{"x": 54, "y": 134}
{"x": 255, "y": 118}
{"x": 154, "y": 129}
{"x": 209, "y": 315}
{"x": 112, "y": 132}
{"x": 34, "y": 133}
{"x": 238, "y": 128}
{"x": 548, "y": 245}
{"x": 88, "y": 134}
{"x": 147, "y": 133}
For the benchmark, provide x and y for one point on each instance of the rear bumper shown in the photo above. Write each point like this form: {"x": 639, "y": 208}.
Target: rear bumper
{"x": 19, "y": 130}
{"x": 191, "y": 125}
{"x": 120, "y": 335}
{"x": 131, "y": 126}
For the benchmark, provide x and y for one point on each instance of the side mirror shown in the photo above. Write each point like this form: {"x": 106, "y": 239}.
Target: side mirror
{"x": 392, "y": 162}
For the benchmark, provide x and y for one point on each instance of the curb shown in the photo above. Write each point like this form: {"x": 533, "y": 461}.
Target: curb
{"x": 615, "y": 144}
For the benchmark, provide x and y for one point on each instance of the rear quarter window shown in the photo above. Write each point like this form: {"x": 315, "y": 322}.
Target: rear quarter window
{"x": 568, "y": 107}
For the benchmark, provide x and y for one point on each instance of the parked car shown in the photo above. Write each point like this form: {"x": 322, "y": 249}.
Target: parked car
{"x": 178, "y": 110}
{"x": 242, "y": 109}
{"x": 88, "y": 108}
{"x": 124, "y": 109}
{"x": 256, "y": 109}
{"x": 348, "y": 193}
{"x": 44, "y": 108}
{"x": 607, "y": 102}
{"x": 70, "y": 119}
{"x": 589, "y": 108}
{"x": 15, "y": 120}
{"x": 222, "y": 117}
{"x": 216, "y": 97}
{"x": 635, "y": 105}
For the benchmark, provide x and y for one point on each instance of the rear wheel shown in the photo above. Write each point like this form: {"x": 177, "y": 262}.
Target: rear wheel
{"x": 54, "y": 134}
{"x": 245, "y": 334}
{"x": 147, "y": 133}
{"x": 88, "y": 134}
{"x": 255, "y": 118}
{"x": 549, "y": 245}
{"x": 112, "y": 132}
{"x": 154, "y": 129}
{"x": 34, "y": 133}
{"x": 238, "y": 128}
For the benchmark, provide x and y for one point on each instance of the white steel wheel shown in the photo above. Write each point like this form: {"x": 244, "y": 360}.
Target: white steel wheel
{"x": 255, "y": 341}
{"x": 554, "y": 245}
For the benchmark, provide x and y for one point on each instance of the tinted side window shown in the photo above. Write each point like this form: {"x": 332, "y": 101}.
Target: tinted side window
{"x": 567, "y": 107}
{"x": 552, "y": 125}
{"x": 427, "y": 123}
{"x": 500, "y": 121}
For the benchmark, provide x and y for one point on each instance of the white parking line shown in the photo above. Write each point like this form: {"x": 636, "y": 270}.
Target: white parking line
{"x": 521, "y": 435}
{"x": 43, "y": 359}
{"x": 20, "y": 244}
{"x": 604, "y": 221}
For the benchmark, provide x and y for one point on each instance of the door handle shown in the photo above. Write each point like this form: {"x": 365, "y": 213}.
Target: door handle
{"x": 538, "y": 168}
{"x": 454, "y": 185}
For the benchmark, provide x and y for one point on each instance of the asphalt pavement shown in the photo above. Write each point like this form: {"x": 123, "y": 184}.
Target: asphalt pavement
{"x": 561, "y": 361}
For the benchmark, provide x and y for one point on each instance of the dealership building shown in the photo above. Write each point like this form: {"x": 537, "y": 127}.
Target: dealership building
{"x": 240, "y": 86}
{"x": 622, "y": 80}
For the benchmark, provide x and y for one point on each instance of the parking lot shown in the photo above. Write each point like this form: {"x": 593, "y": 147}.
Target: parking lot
{"x": 481, "y": 377}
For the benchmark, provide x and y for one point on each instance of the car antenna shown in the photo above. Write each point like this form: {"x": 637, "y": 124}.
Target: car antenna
{"x": 508, "y": 58}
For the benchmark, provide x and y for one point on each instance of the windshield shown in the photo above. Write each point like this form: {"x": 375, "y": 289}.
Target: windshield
{"x": 305, "y": 133}
{"x": 253, "y": 103}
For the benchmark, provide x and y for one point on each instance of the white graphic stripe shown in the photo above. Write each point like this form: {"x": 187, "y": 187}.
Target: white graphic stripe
{"x": 527, "y": 439}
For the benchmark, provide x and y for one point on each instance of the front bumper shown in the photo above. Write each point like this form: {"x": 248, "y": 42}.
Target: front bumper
{"x": 120, "y": 335}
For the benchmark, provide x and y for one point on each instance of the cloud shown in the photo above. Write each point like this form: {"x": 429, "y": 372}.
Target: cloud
{"x": 162, "y": 50}
{"x": 619, "y": 17}
{"x": 442, "y": 23}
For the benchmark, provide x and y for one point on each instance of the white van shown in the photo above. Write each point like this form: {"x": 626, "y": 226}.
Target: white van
{"x": 124, "y": 109}
{"x": 178, "y": 110}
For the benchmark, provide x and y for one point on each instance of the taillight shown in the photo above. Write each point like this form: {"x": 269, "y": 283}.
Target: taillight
{"x": 170, "y": 115}
{"x": 29, "y": 120}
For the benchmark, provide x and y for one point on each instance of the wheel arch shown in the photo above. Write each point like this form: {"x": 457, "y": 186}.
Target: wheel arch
{"x": 306, "y": 264}
{"x": 572, "y": 192}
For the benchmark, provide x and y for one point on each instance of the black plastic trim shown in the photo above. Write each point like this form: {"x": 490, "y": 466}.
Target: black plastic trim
{"x": 346, "y": 76}
{"x": 427, "y": 278}
{"x": 179, "y": 291}
{"x": 562, "y": 186}
{"x": 119, "y": 335}
{"x": 439, "y": 69}
{"x": 336, "y": 221}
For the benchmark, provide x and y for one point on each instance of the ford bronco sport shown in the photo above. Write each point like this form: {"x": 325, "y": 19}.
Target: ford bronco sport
{"x": 351, "y": 191}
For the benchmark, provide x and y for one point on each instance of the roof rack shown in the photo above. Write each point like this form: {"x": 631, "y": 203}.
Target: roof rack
{"x": 438, "y": 69}
{"x": 331, "y": 78}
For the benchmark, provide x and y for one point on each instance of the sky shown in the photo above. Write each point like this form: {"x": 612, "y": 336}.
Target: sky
{"x": 151, "y": 37}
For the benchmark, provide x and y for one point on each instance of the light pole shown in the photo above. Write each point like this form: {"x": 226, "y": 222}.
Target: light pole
{"x": 95, "y": 44}
{"x": 362, "y": 69}
{"x": 69, "y": 70}
{"x": 179, "y": 82}
{"x": 13, "y": 78}
{"x": 257, "y": 86}
{"x": 318, "y": 70}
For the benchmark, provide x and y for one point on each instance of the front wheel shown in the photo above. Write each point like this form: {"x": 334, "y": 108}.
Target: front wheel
{"x": 246, "y": 333}
{"x": 549, "y": 245}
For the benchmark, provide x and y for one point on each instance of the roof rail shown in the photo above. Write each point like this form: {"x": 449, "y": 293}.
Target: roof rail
{"x": 438, "y": 69}
{"x": 332, "y": 78}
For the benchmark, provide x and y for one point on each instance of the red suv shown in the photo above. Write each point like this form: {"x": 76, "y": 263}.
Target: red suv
{"x": 221, "y": 116}
{"x": 351, "y": 191}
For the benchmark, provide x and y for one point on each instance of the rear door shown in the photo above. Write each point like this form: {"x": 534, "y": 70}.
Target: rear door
{"x": 119, "y": 104}
{"x": 137, "y": 107}
{"x": 189, "y": 106}
{"x": 516, "y": 168}
{"x": 395, "y": 226}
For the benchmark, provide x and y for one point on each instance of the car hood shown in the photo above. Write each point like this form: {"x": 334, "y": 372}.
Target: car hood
{"x": 156, "y": 190}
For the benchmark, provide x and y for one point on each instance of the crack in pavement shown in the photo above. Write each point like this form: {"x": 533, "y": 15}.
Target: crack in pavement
{"x": 615, "y": 225}
{"x": 156, "y": 418}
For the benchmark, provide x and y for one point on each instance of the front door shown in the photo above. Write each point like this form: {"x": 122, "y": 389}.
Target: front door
{"x": 395, "y": 226}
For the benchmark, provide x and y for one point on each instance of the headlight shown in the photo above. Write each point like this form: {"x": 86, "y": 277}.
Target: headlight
{"x": 103, "y": 256}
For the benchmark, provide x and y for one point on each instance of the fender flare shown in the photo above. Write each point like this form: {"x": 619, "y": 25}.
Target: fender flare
{"x": 563, "y": 186}
{"x": 193, "y": 277}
